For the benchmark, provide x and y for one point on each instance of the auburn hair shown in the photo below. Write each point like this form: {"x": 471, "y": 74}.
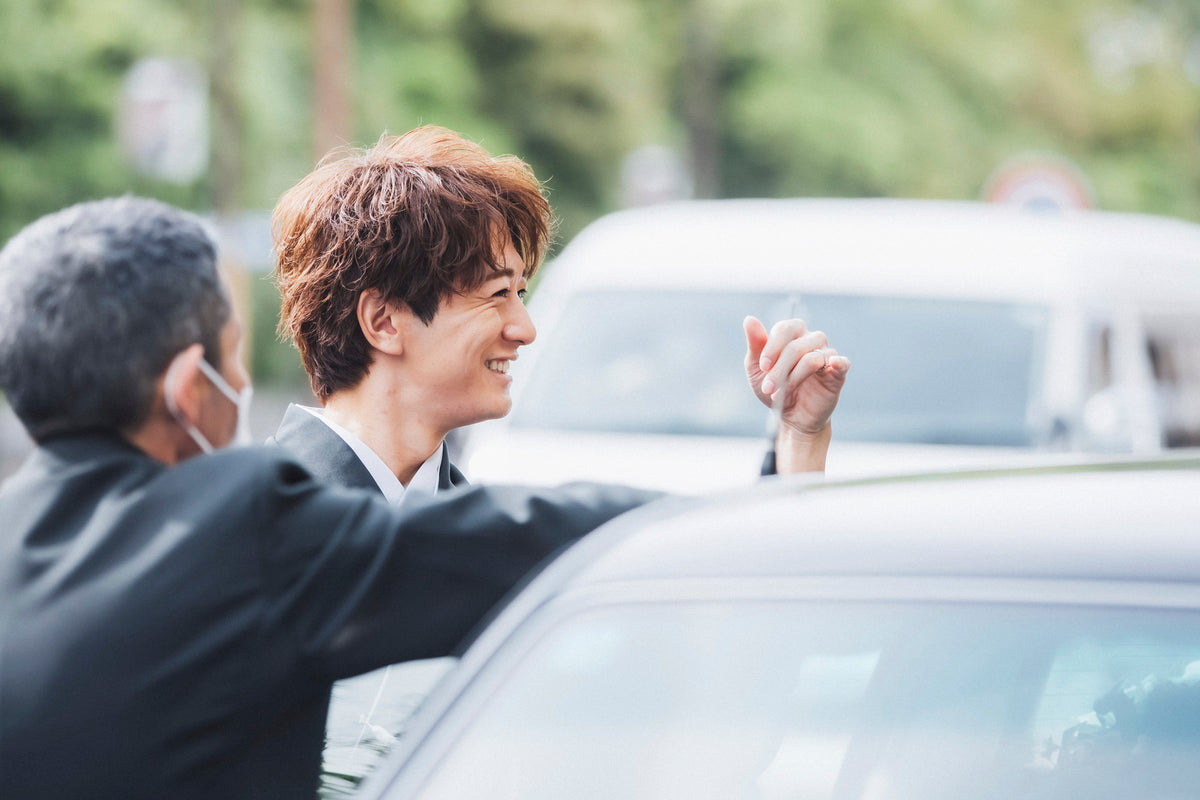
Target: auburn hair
{"x": 416, "y": 218}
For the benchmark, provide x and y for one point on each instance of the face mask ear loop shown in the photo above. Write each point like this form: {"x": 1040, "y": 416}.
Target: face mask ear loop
{"x": 218, "y": 381}
{"x": 169, "y": 397}
{"x": 240, "y": 399}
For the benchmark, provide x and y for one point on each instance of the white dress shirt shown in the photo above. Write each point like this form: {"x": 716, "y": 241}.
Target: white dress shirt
{"x": 424, "y": 482}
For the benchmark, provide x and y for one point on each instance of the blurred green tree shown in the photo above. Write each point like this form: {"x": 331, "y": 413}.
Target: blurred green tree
{"x": 61, "y": 66}
{"x": 768, "y": 97}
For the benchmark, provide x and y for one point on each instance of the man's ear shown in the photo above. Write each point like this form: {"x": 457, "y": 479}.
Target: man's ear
{"x": 382, "y": 321}
{"x": 182, "y": 383}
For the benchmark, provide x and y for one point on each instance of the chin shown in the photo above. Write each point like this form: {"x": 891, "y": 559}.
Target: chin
{"x": 498, "y": 413}
{"x": 485, "y": 415}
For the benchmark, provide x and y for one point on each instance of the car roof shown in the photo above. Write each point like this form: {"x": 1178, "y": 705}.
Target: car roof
{"x": 1123, "y": 521}
{"x": 888, "y": 246}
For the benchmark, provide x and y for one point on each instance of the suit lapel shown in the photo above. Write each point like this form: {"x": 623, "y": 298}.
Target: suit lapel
{"x": 448, "y": 474}
{"x": 321, "y": 451}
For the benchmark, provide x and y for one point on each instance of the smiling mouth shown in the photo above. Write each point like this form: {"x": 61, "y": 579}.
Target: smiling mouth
{"x": 500, "y": 366}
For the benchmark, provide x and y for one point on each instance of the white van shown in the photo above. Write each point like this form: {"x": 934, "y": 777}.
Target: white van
{"x": 977, "y": 333}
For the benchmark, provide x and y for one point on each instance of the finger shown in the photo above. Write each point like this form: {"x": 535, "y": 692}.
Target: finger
{"x": 792, "y": 355}
{"x": 756, "y": 338}
{"x": 836, "y": 369}
{"x": 814, "y": 362}
{"x": 835, "y": 364}
{"x": 782, "y": 333}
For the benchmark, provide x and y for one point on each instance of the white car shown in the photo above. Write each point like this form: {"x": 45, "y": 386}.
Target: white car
{"x": 978, "y": 334}
{"x": 1000, "y": 635}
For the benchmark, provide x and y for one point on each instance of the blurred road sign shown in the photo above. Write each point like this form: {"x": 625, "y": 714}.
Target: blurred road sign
{"x": 162, "y": 120}
{"x": 1039, "y": 182}
{"x": 654, "y": 174}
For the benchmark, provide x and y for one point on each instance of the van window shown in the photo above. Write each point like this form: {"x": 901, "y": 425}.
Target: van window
{"x": 1173, "y": 347}
{"x": 669, "y": 361}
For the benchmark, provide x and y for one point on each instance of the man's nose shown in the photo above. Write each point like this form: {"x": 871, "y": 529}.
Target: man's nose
{"x": 519, "y": 326}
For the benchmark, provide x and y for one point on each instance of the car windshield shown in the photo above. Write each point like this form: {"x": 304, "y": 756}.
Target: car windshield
{"x": 816, "y": 700}
{"x": 924, "y": 371}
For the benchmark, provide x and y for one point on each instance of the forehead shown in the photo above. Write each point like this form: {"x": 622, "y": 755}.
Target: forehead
{"x": 506, "y": 265}
{"x": 509, "y": 266}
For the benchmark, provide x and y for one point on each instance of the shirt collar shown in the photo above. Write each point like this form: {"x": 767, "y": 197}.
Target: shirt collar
{"x": 423, "y": 483}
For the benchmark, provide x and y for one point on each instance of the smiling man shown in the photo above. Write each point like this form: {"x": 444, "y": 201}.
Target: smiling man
{"x": 402, "y": 271}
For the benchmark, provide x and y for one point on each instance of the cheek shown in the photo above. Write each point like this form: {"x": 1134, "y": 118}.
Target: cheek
{"x": 481, "y": 333}
{"x": 459, "y": 349}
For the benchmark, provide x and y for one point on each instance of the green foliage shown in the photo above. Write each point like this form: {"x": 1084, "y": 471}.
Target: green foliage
{"x": 61, "y": 64}
{"x": 273, "y": 361}
{"x": 925, "y": 99}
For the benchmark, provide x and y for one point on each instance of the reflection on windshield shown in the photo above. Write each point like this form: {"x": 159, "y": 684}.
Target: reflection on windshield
{"x": 695, "y": 701}
{"x": 925, "y": 371}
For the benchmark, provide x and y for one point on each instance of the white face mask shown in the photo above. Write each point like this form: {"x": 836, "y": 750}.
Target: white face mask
{"x": 240, "y": 399}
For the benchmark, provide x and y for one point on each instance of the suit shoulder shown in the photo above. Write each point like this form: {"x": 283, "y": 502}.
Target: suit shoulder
{"x": 248, "y": 465}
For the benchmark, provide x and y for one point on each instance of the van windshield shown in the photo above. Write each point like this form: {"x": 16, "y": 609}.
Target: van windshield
{"x": 667, "y": 361}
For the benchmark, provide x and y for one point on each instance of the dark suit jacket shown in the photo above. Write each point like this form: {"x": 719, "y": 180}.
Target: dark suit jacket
{"x": 327, "y": 456}
{"x": 174, "y": 632}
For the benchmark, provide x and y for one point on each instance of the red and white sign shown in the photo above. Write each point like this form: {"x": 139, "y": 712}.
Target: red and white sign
{"x": 1041, "y": 182}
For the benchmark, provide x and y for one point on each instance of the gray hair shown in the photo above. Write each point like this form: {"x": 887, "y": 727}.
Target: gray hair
{"x": 95, "y": 301}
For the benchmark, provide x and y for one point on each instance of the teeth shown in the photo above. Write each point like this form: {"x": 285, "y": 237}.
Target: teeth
{"x": 498, "y": 366}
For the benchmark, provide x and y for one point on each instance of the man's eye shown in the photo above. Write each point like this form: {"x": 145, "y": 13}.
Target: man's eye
{"x": 501, "y": 293}
{"x": 521, "y": 293}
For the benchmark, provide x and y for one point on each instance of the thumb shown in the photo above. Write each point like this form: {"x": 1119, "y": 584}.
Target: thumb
{"x": 756, "y": 340}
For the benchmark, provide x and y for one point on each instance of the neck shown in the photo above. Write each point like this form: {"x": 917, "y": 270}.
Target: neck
{"x": 161, "y": 440}
{"x": 402, "y": 436}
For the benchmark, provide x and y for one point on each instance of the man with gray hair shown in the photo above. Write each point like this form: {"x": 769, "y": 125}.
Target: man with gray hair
{"x": 170, "y": 621}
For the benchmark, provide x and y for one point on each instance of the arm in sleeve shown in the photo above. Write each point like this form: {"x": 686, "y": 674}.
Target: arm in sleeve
{"x": 356, "y": 584}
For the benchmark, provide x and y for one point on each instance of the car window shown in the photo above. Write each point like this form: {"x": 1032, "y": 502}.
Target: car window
{"x": 367, "y": 716}
{"x": 814, "y": 700}
{"x": 925, "y": 371}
